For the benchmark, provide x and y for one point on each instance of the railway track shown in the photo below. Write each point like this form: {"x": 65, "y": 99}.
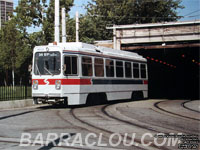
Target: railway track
{"x": 126, "y": 122}
{"x": 177, "y": 114}
{"x": 97, "y": 130}
{"x": 118, "y": 119}
{"x": 184, "y": 105}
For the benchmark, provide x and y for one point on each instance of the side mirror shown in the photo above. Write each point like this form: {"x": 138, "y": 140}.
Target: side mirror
{"x": 64, "y": 67}
{"x": 29, "y": 68}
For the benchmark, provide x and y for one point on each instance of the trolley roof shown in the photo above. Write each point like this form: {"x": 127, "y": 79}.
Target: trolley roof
{"x": 91, "y": 49}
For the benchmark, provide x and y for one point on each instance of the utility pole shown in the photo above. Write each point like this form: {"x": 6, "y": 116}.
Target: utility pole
{"x": 114, "y": 38}
{"x": 63, "y": 26}
{"x": 57, "y": 20}
{"x": 77, "y": 27}
{"x": 115, "y": 44}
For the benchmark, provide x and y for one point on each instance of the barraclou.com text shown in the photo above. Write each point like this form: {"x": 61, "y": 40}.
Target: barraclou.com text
{"x": 114, "y": 140}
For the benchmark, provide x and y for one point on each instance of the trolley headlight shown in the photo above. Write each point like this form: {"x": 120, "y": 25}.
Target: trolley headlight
{"x": 58, "y": 84}
{"x": 35, "y": 84}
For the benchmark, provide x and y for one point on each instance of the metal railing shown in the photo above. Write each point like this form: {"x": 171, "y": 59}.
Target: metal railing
{"x": 15, "y": 93}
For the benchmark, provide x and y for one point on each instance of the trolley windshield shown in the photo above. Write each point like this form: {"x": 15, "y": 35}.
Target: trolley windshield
{"x": 47, "y": 63}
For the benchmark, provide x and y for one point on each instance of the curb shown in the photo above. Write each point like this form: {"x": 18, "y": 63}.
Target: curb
{"x": 16, "y": 104}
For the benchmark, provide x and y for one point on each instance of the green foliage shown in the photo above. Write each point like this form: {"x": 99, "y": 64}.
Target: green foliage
{"x": 30, "y": 13}
{"x": 71, "y": 30}
{"x": 88, "y": 30}
{"x": 119, "y": 12}
{"x": 134, "y": 11}
{"x": 14, "y": 48}
{"x": 38, "y": 13}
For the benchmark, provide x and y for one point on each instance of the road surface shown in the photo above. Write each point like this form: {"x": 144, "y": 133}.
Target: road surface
{"x": 149, "y": 124}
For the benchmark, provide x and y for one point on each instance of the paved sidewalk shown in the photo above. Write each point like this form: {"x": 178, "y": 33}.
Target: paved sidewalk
{"x": 16, "y": 104}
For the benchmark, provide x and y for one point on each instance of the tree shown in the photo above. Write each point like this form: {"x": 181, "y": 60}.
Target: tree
{"x": 39, "y": 13}
{"x": 119, "y": 12}
{"x": 71, "y": 30}
{"x": 14, "y": 48}
{"x": 30, "y": 12}
{"x": 88, "y": 30}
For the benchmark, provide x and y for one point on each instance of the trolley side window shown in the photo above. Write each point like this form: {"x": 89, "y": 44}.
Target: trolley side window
{"x": 99, "y": 67}
{"x": 119, "y": 69}
{"x": 86, "y": 66}
{"x": 70, "y": 63}
{"x": 128, "y": 71}
{"x": 135, "y": 70}
{"x": 109, "y": 68}
{"x": 143, "y": 69}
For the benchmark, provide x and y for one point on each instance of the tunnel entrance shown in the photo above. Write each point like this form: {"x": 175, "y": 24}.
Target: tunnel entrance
{"x": 173, "y": 73}
{"x": 172, "y": 49}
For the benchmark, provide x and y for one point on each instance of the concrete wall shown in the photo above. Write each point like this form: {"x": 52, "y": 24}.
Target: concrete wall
{"x": 157, "y": 33}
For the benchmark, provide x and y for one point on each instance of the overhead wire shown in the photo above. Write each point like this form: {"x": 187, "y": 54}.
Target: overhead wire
{"x": 192, "y": 13}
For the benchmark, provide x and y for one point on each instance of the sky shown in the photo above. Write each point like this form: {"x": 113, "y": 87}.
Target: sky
{"x": 79, "y": 6}
{"x": 190, "y": 12}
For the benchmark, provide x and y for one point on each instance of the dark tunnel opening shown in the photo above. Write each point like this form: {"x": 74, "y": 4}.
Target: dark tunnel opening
{"x": 178, "y": 78}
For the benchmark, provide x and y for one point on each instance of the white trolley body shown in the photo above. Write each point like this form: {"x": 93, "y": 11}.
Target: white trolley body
{"x": 74, "y": 71}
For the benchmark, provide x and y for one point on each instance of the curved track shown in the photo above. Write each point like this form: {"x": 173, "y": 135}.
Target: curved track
{"x": 123, "y": 119}
{"x": 182, "y": 104}
{"x": 128, "y": 122}
{"x": 186, "y": 107}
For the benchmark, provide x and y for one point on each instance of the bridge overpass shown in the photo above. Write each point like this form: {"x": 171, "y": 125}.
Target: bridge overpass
{"x": 155, "y": 36}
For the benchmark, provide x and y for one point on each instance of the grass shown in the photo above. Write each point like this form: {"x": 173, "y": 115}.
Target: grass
{"x": 15, "y": 93}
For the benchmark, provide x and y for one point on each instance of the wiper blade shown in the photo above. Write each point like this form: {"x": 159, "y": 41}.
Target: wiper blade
{"x": 48, "y": 71}
{"x": 38, "y": 69}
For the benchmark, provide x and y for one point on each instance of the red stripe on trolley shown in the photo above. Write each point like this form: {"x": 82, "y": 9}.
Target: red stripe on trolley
{"x": 76, "y": 81}
{"x": 63, "y": 81}
{"x": 145, "y": 82}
